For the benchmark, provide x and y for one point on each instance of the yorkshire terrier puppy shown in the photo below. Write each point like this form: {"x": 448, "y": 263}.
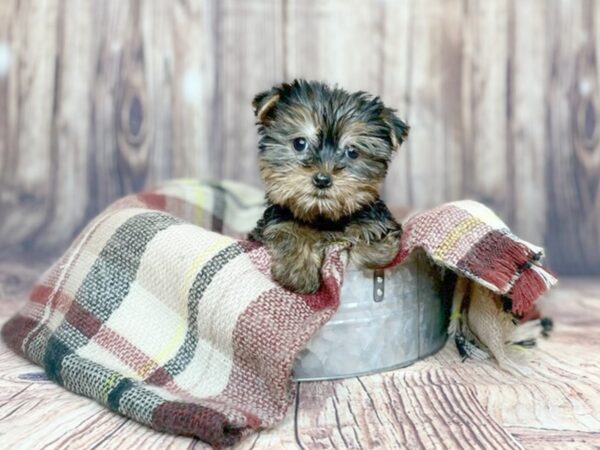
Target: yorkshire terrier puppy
{"x": 323, "y": 154}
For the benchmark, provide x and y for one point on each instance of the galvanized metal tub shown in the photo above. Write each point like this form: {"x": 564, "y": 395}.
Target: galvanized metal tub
{"x": 386, "y": 320}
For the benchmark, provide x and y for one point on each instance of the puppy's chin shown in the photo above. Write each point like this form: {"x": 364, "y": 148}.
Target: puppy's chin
{"x": 319, "y": 204}
{"x": 295, "y": 191}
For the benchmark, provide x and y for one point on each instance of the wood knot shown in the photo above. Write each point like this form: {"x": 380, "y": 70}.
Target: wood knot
{"x": 586, "y": 132}
{"x": 133, "y": 125}
{"x": 133, "y": 128}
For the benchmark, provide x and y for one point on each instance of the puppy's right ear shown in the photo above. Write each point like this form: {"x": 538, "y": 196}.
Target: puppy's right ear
{"x": 398, "y": 129}
{"x": 264, "y": 103}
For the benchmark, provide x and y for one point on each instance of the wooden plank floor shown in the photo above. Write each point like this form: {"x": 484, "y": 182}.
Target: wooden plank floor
{"x": 437, "y": 403}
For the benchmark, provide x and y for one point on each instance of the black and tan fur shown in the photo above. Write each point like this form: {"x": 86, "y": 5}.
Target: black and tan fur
{"x": 312, "y": 135}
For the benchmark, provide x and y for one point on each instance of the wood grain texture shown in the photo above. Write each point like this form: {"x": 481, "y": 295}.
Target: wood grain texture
{"x": 527, "y": 149}
{"x": 338, "y": 41}
{"x": 250, "y": 60}
{"x": 440, "y": 402}
{"x": 29, "y": 86}
{"x": 422, "y": 78}
{"x": 98, "y": 99}
{"x": 574, "y": 162}
{"x": 398, "y": 410}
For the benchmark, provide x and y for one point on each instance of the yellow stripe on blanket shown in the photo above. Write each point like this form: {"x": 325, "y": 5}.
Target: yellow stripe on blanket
{"x": 168, "y": 349}
{"x": 463, "y": 227}
{"x": 482, "y": 212}
{"x": 195, "y": 192}
{"x": 190, "y": 275}
{"x": 109, "y": 384}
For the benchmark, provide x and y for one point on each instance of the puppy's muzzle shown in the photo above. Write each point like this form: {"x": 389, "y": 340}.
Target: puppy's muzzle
{"x": 321, "y": 180}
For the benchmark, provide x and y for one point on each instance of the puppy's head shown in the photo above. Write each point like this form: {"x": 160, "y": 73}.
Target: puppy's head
{"x": 323, "y": 151}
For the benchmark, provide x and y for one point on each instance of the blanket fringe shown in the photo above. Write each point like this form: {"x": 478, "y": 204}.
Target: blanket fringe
{"x": 532, "y": 283}
{"x": 500, "y": 258}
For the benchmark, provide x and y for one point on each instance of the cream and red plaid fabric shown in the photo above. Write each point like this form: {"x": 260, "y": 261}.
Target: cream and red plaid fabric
{"x": 183, "y": 329}
{"x": 469, "y": 239}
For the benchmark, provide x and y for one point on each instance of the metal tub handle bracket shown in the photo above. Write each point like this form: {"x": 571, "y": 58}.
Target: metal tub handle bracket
{"x": 378, "y": 285}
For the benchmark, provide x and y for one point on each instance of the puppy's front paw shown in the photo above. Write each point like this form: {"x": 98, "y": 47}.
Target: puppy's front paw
{"x": 373, "y": 255}
{"x": 296, "y": 257}
{"x": 295, "y": 275}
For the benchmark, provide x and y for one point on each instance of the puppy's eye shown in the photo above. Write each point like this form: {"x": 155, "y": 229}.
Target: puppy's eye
{"x": 300, "y": 144}
{"x": 351, "y": 153}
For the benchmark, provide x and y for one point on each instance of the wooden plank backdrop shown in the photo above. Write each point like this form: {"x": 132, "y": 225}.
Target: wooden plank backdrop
{"x": 101, "y": 98}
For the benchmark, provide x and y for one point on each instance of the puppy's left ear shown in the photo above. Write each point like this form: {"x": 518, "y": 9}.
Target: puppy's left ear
{"x": 264, "y": 103}
{"x": 398, "y": 128}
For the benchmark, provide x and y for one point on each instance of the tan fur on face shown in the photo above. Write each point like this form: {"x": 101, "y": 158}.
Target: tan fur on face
{"x": 359, "y": 136}
{"x": 300, "y": 122}
{"x": 294, "y": 189}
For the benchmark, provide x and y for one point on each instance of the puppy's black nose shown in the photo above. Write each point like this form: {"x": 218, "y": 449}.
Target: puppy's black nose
{"x": 321, "y": 180}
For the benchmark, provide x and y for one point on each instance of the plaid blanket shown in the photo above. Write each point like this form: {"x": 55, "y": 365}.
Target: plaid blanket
{"x": 182, "y": 329}
{"x": 469, "y": 239}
